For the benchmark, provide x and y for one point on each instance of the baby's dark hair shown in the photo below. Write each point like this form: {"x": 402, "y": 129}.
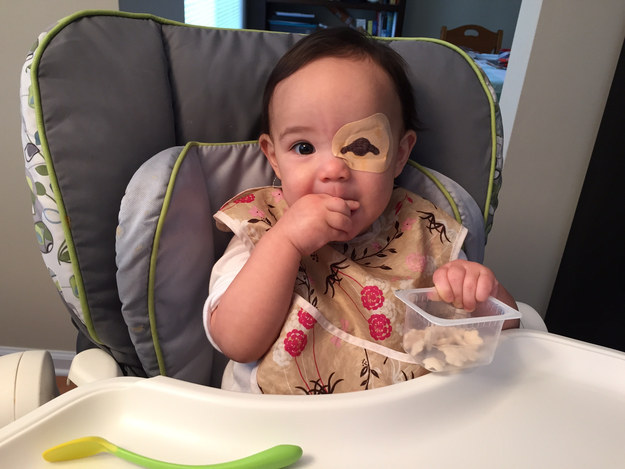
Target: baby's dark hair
{"x": 348, "y": 43}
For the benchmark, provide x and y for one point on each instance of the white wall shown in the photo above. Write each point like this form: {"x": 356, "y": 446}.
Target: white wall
{"x": 563, "y": 59}
{"x": 31, "y": 314}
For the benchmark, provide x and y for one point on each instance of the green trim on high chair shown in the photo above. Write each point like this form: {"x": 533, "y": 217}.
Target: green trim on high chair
{"x": 153, "y": 259}
{"x": 441, "y": 187}
{"x": 45, "y": 152}
{"x": 156, "y": 243}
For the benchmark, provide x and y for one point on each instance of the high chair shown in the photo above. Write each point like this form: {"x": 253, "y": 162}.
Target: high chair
{"x": 114, "y": 107}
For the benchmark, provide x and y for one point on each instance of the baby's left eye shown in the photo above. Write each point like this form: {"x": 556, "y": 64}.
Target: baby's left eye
{"x": 303, "y": 148}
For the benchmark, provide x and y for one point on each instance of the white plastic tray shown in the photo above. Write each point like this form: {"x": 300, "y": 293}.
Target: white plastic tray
{"x": 545, "y": 401}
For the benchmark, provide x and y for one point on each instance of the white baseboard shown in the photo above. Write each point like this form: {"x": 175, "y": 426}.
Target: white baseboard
{"x": 61, "y": 358}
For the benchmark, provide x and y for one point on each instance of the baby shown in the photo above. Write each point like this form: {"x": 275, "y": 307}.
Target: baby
{"x": 302, "y": 301}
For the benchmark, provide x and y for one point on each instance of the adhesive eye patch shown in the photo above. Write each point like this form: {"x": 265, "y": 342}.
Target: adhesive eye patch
{"x": 364, "y": 144}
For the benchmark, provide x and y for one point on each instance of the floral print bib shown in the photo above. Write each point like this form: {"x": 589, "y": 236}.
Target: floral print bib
{"x": 344, "y": 330}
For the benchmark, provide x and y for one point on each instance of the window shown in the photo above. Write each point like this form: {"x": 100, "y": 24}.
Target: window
{"x": 218, "y": 13}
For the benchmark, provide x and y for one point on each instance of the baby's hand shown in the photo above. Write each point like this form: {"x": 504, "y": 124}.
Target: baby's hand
{"x": 464, "y": 283}
{"x": 314, "y": 220}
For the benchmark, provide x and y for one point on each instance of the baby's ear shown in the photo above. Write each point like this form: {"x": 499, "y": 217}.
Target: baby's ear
{"x": 268, "y": 148}
{"x": 404, "y": 149}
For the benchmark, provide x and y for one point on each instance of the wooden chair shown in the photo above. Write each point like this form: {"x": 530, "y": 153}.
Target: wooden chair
{"x": 474, "y": 37}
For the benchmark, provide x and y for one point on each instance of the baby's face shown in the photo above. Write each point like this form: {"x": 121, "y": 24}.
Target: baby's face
{"x": 336, "y": 128}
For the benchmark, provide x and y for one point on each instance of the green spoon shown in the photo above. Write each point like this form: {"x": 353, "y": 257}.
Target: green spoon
{"x": 272, "y": 458}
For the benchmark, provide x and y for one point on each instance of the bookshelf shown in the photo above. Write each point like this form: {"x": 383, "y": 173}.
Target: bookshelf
{"x": 382, "y": 18}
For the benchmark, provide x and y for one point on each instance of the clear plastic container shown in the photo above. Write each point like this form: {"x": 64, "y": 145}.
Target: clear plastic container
{"x": 443, "y": 338}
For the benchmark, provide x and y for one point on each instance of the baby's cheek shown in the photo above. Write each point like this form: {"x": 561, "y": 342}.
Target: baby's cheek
{"x": 295, "y": 188}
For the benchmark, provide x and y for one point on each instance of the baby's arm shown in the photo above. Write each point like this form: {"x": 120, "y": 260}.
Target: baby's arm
{"x": 465, "y": 283}
{"x": 253, "y": 308}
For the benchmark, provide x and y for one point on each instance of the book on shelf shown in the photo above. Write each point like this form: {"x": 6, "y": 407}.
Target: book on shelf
{"x": 292, "y": 26}
{"x": 385, "y": 24}
{"x": 293, "y": 22}
{"x": 361, "y": 24}
{"x": 295, "y": 15}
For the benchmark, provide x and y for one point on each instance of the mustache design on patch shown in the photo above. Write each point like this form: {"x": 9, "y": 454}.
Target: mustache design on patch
{"x": 360, "y": 147}
{"x": 365, "y": 144}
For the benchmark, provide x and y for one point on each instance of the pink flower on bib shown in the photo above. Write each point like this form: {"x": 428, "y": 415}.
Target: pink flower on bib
{"x": 294, "y": 342}
{"x": 379, "y": 326}
{"x": 305, "y": 319}
{"x": 245, "y": 199}
{"x": 372, "y": 297}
